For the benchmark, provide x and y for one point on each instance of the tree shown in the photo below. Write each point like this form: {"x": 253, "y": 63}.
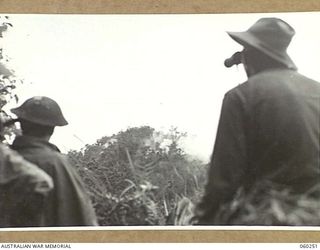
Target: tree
{"x": 8, "y": 83}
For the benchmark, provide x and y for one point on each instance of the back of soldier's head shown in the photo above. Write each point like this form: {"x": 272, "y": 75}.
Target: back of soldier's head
{"x": 260, "y": 60}
{"x": 34, "y": 129}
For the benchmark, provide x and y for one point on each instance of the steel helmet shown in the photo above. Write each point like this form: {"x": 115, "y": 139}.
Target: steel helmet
{"x": 41, "y": 110}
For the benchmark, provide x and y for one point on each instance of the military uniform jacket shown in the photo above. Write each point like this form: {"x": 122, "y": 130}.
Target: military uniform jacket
{"x": 268, "y": 130}
{"x": 23, "y": 189}
{"x": 68, "y": 203}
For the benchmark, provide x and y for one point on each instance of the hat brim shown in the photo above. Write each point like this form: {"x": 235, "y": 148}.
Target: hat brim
{"x": 246, "y": 39}
{"x": 22, "y": 115}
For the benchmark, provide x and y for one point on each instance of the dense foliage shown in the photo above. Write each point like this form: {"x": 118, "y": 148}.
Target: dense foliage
{"x": 136, "y": 177}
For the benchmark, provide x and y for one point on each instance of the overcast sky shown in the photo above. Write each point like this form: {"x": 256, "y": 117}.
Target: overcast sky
{"x": 110, "y": 72}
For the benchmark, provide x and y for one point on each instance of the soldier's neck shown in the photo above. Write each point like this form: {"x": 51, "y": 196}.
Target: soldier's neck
{"x": 46, "y": 138}
{"x": 43, "y": 137}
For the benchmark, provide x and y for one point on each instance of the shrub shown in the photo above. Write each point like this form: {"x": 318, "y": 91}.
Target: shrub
{"x": 145, "y": 158}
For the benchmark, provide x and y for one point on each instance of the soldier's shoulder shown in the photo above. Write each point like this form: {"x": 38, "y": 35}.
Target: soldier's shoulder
{"x": 14, "y": 167}
{"x": 238, "y": 91}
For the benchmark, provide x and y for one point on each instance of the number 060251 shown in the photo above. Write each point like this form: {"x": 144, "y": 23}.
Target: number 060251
{"x": 308, "y": 246}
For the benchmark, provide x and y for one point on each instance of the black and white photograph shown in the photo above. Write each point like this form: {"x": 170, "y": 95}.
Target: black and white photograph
{"x": 160, "y": 120}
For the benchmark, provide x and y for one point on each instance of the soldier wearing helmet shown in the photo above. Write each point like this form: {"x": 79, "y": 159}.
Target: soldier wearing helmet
{"x": 23, "y": 186}
{"x": 269, "y": 126}
{"x": 67, "y": 204}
